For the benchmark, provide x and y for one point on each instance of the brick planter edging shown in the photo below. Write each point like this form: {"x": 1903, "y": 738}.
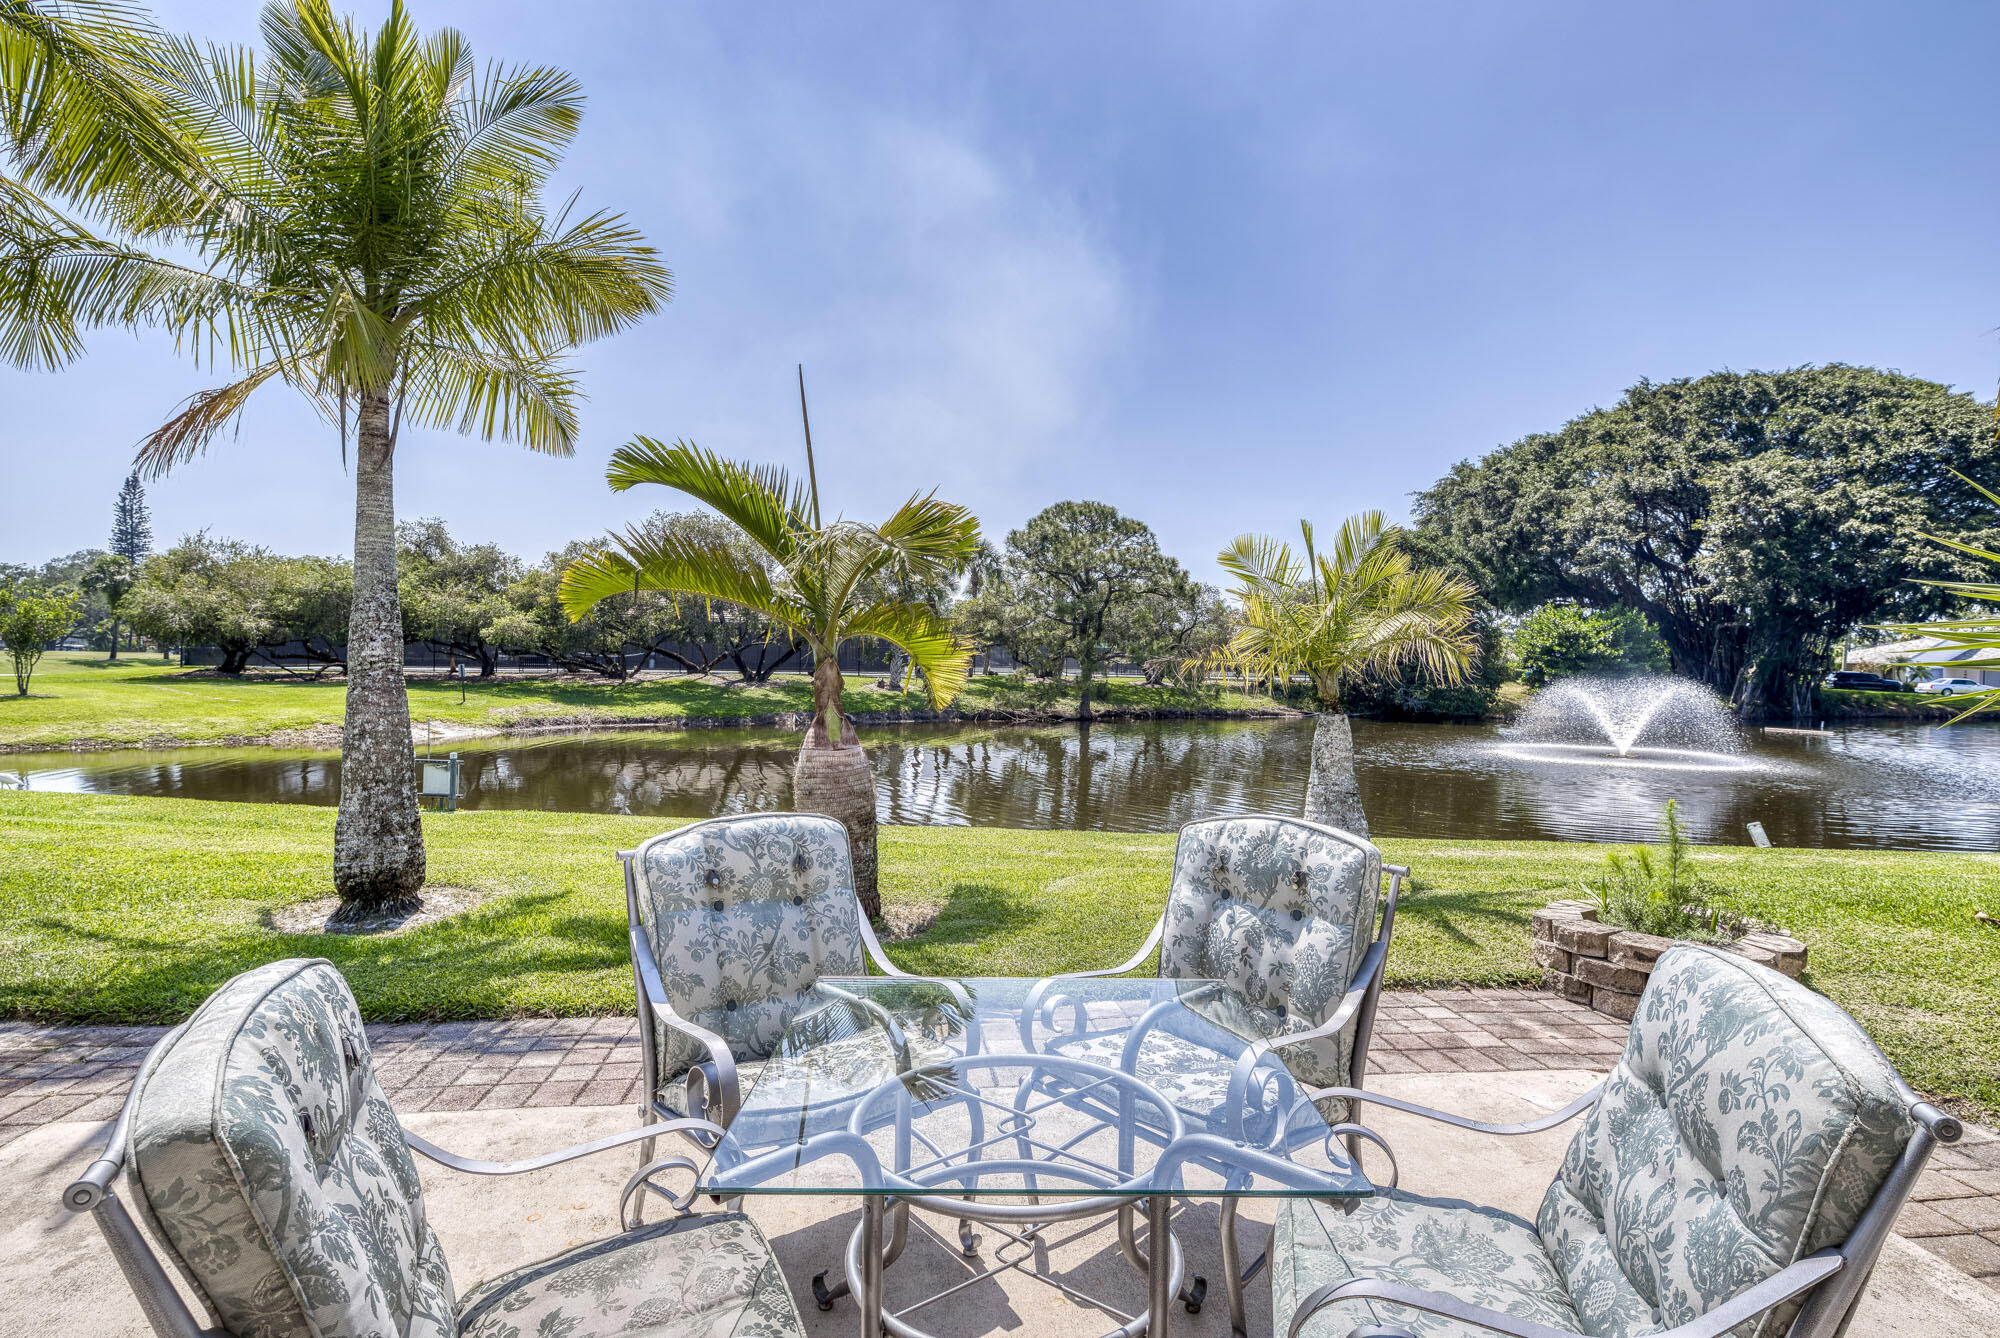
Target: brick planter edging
{"x": 1607, "y": 967}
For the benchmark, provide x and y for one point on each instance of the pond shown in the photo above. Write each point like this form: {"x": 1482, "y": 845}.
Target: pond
{"x": 1881, "y": 786}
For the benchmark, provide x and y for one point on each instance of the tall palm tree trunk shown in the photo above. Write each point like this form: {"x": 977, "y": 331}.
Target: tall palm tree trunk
{"x": 835, "y": 778}
{"x": 378, "y": 843}
{"x": 1333, "y": 794}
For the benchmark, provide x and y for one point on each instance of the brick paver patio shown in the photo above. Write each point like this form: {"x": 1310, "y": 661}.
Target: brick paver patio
{"x": 82, "y": 1073}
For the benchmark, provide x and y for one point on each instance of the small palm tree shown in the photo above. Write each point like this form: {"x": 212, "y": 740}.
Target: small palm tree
{"x": 1362, "y": 607}
{"x": 823, "y": 583}
{"x": 366, "y": 209}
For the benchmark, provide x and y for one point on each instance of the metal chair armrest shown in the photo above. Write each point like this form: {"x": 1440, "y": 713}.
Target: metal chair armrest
{"x": 473, "y": 1166}
{"x": 897, "y": 1040}
{"x": 1780, "y": 1287}
{"x": 729, "y": 1093}
{"x": 1131, "y": 964}
{"x": 873, "y": 946}
{"x": 642, "y": 1180}
{"x": 1534, "y": 1126}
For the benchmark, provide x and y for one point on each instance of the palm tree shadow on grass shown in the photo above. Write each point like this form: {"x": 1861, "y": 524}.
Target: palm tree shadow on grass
{"x": 1443, "y": 911}
{"x": 442, "y": 972}
{"x": 974, "y": 915}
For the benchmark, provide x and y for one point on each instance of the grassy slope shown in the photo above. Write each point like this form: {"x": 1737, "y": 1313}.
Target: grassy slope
{"x": 133, "y": 909}
{"x": 86, "y": 697}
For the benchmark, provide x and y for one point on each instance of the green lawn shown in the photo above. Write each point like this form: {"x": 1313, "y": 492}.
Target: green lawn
{"x": 84, "y": 697}
{"x": 133, "y": 909}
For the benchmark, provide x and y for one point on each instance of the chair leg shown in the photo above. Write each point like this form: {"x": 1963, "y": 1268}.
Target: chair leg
{"x": 646, "y": 1148}
{"x": 1236, "y": 1277}
{"x": 1232, "y": 1270}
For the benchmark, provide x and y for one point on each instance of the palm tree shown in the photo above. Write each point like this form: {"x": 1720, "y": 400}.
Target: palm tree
{"x": 823, "y": 583}
{"x": 366, "y": 208}
{"x": 1363, "y": 607}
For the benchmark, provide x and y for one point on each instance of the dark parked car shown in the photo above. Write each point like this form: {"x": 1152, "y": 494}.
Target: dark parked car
{"x": 1853, "y": 679}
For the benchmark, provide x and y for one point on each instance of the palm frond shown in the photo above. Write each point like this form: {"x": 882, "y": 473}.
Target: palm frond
{"x": 492, "y": 395}
{"x": 515, "y": 124}
{"x": 535, "y": 288}
{"x": 929, "y": 539}
{"x": 202, "y": 415}
{"x": 79, "y": 107}
{"x": 58, "y": 279}
{"x": 933, "y": 645}
{"x": 762, "y": 500}
{"x": 642, "y": 559}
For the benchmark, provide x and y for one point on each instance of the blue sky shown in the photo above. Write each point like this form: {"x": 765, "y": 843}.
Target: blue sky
{"x": 1221, "y": 266}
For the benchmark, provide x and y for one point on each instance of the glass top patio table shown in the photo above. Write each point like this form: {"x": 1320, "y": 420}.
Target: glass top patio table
{"x": 1055, "y": 1088}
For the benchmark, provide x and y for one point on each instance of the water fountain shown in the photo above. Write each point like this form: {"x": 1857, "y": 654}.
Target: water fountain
{"x": 1649, "y": 720}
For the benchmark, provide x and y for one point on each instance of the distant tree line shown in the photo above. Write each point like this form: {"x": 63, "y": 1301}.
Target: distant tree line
{"x": 1077, "y": 589}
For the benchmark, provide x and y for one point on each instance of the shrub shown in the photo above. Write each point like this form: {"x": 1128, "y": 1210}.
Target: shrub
{"x": 1656, "y": 890}
{"x": 1558, "y": 640}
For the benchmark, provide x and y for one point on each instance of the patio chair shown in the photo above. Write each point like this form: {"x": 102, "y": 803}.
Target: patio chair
{"x": 270, "y": 1168}
{"x": 734, "y": 925}
{"x": 1737, "y": 1172}
{"x": 1283, "y": 915}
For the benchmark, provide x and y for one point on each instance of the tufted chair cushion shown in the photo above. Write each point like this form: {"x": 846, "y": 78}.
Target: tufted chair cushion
{"x": 275, "y": 1172}
{"x": 711, "y": 1276}
{"x": 744, "y": 915}
{"x": 1281, "y": 912}
{"x": 1747, "y": 1124}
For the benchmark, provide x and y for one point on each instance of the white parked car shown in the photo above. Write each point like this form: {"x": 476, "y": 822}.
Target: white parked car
{"x": 1951, "y": 687}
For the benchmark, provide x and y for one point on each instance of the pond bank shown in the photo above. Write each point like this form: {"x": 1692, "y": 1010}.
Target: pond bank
{"x": 132, "y": 910}
{"x": 84, "y": 703}
{"x": 448, "y": 731}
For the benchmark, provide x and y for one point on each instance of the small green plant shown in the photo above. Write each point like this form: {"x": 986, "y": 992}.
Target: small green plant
{"x": 1655, "y": 889}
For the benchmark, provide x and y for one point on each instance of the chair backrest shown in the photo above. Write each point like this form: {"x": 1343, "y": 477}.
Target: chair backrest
{"x": 273, "y": 1170}
{"x": 744, "y": 916}
{"x": 1278, "y": 909}
{"x": 1748, "y": 1123}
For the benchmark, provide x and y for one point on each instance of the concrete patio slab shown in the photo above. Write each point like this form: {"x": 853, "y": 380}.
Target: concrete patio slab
{"x": 57, "y": 1280}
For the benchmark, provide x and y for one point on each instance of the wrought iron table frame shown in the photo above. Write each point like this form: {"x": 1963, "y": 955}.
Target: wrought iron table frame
{"x": 921, "y": 1180}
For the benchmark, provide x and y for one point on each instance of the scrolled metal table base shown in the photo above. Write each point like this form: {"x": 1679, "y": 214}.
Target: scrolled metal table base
{"x": 1022, "y": 1225}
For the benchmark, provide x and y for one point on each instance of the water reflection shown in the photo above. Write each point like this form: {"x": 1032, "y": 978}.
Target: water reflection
{"x": 1894, "y": 786}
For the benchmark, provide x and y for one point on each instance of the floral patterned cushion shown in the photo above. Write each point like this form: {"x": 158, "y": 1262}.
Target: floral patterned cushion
{"x": 693, "y": 1277}
{"x": 1480, "y": 1255}
{"x": 744, "y": 915}
{"x": 1747, "y": 1124}
{"x": 1194, "y": 1077}
{"x": 1281, "y": 911}
{"x": 275, "y": 1172}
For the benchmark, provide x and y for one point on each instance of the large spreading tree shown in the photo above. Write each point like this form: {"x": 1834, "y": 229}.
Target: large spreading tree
{"x": 1755, "y": 517}
{"x": 1070, "y": 584}
{"x": 366, "y": 217}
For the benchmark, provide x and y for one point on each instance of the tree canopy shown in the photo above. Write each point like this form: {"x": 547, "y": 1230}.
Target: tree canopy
{"x": 1754, "y": 517}
{"x": 31, "y": 618}
{"x": 1073, "y": 585}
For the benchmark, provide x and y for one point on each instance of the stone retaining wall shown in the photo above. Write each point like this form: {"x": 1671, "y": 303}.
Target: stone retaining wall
{"x": 1607, "y": 967}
